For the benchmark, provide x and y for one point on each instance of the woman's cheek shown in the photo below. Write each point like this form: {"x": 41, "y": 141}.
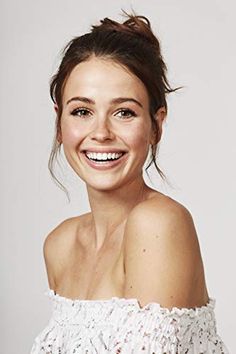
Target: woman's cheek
{"x": 137, "y": 138}
{"x": 70, "y": 136}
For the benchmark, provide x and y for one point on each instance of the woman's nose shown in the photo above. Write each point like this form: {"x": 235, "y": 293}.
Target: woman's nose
{"x": 102, "y": 131}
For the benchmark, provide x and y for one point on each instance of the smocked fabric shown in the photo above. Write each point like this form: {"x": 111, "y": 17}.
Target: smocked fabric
{"x": 121, "y": 326}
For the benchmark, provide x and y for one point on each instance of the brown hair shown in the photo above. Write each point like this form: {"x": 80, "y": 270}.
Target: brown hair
{"x": 131, "y": 44}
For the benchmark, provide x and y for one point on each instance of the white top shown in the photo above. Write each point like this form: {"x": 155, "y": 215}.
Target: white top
{"x": 120, "y": 325}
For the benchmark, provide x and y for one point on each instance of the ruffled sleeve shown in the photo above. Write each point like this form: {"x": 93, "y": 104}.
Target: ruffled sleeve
{"x": 121, "y": 326}
{"x": 154, "y": 329}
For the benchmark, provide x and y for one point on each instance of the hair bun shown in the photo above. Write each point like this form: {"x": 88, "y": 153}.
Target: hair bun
{"x": 136, "y": 25}
{"x": 137, "y": 21}
{"x": 141, "y": 25}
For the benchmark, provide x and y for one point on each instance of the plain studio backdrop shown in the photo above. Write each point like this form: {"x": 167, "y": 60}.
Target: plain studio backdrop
{"x": 197, "y": 150}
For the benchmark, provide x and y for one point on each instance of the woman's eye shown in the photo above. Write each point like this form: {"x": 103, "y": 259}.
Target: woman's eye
{"x": 80, "y": 112}
{"x": 123, "y": 113}
{"x": 127, "y": 113}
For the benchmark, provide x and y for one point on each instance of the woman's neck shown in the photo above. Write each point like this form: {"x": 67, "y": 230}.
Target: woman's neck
{"x": 110, "y": 209}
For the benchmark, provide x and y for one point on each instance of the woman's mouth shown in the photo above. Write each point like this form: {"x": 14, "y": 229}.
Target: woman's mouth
{"x": 104, "y": 161}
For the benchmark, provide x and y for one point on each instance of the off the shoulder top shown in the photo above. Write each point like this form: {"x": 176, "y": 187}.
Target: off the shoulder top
{"x": 120, "y": 325}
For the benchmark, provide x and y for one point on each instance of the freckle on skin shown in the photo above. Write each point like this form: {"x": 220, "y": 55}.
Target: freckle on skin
{"x": 131, "y": 286}
{"x": 144, "y": 250}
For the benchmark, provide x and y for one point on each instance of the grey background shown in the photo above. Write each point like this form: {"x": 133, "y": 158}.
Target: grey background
{"x": 197, "y": 150}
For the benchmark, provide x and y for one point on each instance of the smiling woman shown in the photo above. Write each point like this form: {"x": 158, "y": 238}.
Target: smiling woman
{"x": 129, "y": 49}
{"x": 128, "y": 276}
{"x": 102, "y": 122}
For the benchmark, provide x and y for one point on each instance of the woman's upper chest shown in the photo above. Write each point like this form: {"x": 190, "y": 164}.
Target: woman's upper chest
{"x": 90, "y": 262}
{"x": 87, "y": 273}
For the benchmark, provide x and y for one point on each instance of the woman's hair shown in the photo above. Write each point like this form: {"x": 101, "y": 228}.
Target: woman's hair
{"x": 131, "y": 44}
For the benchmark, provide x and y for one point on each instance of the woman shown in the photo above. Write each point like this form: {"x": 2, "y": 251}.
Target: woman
{"x": 128, "y": 276}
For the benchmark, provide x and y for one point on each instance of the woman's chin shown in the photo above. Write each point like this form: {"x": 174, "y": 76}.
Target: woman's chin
{"x": 102, "y": 184}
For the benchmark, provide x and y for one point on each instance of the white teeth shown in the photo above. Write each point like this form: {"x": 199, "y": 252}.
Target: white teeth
{"x": 103, "y": 156}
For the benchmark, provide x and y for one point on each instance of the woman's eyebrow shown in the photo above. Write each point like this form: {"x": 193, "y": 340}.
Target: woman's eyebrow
{"x": 114, "y": 100}
{"x": 125, "y": 99}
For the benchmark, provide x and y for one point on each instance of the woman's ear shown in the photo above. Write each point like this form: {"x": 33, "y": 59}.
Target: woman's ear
{"x": 56, "y": 108}
{"x": 58, "y": 136}
{"x": 159, "y": 116}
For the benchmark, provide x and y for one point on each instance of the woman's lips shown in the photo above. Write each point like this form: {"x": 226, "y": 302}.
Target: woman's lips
{"x": 106, "y": 164}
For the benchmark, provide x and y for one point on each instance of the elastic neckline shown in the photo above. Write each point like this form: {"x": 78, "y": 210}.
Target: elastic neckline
{"x": 209, "y": 305}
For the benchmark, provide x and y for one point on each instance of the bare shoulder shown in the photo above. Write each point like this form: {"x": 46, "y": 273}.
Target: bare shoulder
{"x": 161, "y": 250}
{"x": 162, "y": 213}
{"x": 57, "y": 245}
{"x": 160, "y": 202}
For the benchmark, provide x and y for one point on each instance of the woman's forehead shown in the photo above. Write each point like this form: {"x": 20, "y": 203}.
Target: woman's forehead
{"x": 99, "y": 77}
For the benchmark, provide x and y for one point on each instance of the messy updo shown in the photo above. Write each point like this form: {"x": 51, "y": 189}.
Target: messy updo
{"x": 131, "y": 44}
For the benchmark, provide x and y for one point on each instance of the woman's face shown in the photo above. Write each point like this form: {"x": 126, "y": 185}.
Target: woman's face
{"x": 105, "y": 108}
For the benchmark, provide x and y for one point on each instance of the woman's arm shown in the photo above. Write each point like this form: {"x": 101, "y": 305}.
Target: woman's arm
{"x": 162, "y": 256}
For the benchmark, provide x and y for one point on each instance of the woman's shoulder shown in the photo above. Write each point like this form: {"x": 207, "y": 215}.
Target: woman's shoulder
{"x": 66, "y": 229}
{"x": 160, "y": 204}
{"x": 163, "y": 216}
{"x": 161, "y": 243}
{"x": 58, "y": 244}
